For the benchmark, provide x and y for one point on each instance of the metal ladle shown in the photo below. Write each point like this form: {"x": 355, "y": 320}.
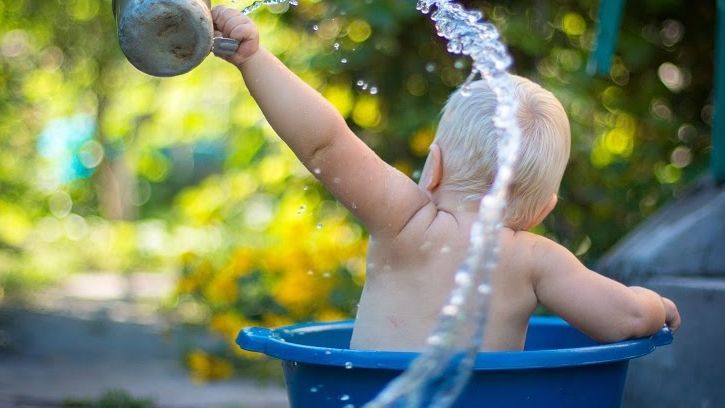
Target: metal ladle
{"x": 168, "y": 37}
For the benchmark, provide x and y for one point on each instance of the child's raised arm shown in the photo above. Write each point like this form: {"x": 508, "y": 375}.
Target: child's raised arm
{"x": 380, "y": 196}
{"x": 600, "y": 307}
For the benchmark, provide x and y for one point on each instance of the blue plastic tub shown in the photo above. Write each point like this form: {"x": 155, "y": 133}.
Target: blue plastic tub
{"x": 560, "y": 367}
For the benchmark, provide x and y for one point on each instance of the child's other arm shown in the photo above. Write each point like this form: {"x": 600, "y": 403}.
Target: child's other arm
{"x": 600, "y": 307}
{"x": 380, "y": 196}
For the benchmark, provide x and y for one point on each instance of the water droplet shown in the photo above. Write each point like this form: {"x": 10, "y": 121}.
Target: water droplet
{"x": 315, "y": 27}
{"x": 328, "y": 352}
{"x": 343, "y": 60}
{"x": 484, "y": 289}
{"x": 305, "y": 188}
{"x": 459, "y": 64}
{"x": 318, "y": 226}
{"x": 313, "y": 389}
{"x": 450, "y": 310}
{"x": 430, "y": 67}
{"x": 348, "y": 365}
{"x": 344, "y": 397}
{"x": 317, "y": 170}
{"x": 463, "y": 279}
{"x": 423, "y": 6}
{"x": 336, "y": 46}
{"x": 374, "y": 90}
{"x": 360, "y": 82}
{"x": 435, "y": 340}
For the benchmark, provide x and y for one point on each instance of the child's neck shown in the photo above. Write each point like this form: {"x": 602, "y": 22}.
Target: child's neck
{"x": 454, "y": 202}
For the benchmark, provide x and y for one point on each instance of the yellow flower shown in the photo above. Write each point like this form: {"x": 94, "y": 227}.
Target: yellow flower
{"x": 420, "y": 142}
{"x": 299, "y": 292}
{"x": 273, "y": 320}
{"x": 205, "y": 367}
{"x": 227, "y": 324}
{"x": 329, "y": 315}
{"x": 186, "y": 285}
{"x": 223, "y": 289}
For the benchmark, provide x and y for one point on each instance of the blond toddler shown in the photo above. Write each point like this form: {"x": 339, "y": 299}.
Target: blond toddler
{"x": 419, "y": 233}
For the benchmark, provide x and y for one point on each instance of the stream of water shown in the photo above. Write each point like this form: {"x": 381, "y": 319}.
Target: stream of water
{"x": 436, "y": 378}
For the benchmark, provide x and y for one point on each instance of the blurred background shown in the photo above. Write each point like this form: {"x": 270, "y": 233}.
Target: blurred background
{"x": 148, "y": 220}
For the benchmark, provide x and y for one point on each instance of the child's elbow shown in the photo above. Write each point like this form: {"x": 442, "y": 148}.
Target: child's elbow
{"x": 643, "y": 323}
{"x": 646, "y": 316}
{"x": 631, "y": 326}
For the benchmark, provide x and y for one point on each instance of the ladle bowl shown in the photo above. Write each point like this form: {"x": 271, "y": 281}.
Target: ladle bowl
{"x": 164, "y": 37}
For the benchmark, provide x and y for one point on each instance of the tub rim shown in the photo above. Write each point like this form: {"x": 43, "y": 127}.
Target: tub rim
{"x": 271, "y": 342}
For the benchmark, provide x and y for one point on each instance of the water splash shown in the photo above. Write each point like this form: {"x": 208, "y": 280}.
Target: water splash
{"x": 436, "y": 378}
{"x": 259, "y": 3}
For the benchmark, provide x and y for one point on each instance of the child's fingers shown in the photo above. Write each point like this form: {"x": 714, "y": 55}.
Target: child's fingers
{"x": 243, "y": 32}
{"x": 220, "y": 15}
{"x": 216, "y": 15}
{"x": 225, "y": 19}
{"x": 673, "y": 315}
{"x": 232, "y": 23}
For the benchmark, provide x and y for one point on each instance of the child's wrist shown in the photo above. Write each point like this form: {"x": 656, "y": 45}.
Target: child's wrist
{"x": 243, "y": 64}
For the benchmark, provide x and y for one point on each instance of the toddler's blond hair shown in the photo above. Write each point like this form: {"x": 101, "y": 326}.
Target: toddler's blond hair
{"x": 468, "y": 142}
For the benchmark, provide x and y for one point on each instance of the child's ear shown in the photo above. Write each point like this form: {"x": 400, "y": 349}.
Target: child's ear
{"x": 548, "y": 208}
{"x": 433, "y": 169}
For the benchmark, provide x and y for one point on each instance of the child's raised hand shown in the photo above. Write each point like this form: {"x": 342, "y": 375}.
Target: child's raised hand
{"x": 233, "y": 24}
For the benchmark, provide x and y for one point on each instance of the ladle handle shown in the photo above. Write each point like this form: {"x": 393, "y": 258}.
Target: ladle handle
{"x": 224, "y": 47}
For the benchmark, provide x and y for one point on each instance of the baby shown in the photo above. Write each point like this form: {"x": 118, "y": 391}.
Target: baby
{"x": 419, "y": 233}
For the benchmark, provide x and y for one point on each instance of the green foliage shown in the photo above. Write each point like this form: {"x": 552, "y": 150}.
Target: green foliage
{"x": 637, "y": 140}
{"x": 111, "y": 399}
{"x": 186, "y": 174}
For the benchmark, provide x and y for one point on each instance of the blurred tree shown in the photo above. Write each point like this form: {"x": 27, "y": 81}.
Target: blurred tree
{"x": 184, "y": 172}
{"x": 639, "y": 136}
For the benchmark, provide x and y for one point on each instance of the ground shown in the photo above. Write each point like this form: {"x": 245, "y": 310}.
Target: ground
{"x": 67, "y": 346}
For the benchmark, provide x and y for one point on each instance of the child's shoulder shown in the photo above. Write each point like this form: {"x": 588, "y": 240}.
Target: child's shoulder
{"x": 429, "y": 231}
{"x": 542, "y": 258}
{"x": 533, "y": 242}
{"x": 532, "y": 251}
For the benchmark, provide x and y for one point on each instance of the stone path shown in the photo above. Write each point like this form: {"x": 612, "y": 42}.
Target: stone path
{"x": 79, "y": 348}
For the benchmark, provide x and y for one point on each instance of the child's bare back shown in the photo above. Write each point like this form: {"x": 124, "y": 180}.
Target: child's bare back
{"x": 410, "y": 279}
{"x": 419, "y": 233}
{"x": 409, "y": 282}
